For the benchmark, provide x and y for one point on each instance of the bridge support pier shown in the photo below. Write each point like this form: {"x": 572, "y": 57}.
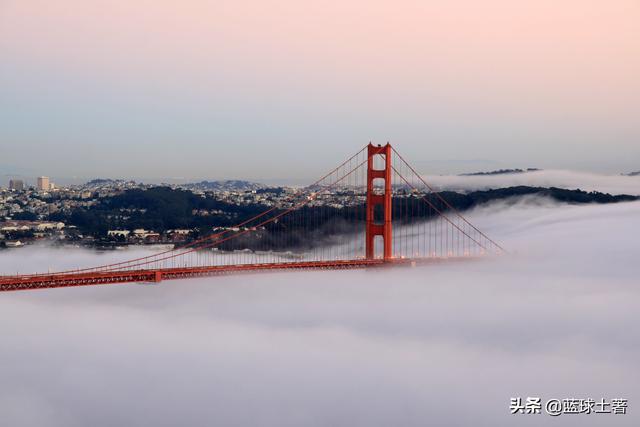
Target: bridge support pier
{"x": 379, "y": 226}
{"x": 157, "y": 277}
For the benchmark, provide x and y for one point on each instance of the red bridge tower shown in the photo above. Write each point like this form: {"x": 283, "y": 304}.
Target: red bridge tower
{"x": 375, "y": 227}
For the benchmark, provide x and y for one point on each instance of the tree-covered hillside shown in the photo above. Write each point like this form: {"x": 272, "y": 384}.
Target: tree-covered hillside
{"x": 162, "y": 208}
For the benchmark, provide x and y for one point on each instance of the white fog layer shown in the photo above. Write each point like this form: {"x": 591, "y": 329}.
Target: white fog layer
{"x": 613, "y": 184}
{"x": 441, "y": 345}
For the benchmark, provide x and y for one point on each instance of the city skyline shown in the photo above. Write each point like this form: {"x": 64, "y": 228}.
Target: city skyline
{"x": 197, "y": 85}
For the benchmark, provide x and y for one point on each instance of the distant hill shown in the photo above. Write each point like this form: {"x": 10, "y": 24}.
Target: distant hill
{"x": 558, "y": 194}
{"x": 225, "y": 185}
{"x": 501, "y": 172}
{"x": 104, "y": 181}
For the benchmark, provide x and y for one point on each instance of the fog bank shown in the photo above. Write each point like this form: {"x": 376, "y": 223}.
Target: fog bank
{"x": 443, "y": 345}
{"x": 613, "y": 184}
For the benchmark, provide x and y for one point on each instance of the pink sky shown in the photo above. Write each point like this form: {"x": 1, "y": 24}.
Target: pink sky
{"x": 525, "y": 64}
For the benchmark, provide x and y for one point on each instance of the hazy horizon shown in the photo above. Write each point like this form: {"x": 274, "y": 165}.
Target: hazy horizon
{"x": 430, "y": 168}
{"x": 612, "y": 184}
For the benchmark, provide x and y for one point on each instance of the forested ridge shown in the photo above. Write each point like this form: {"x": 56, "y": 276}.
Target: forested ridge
{"x": 163, "y": 208}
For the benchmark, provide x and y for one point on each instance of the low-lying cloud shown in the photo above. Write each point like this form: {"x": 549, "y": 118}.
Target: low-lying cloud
{"x": 613, "y": 184}
{"x": 444, "y": 345}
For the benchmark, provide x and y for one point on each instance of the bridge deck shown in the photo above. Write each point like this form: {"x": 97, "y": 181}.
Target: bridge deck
{"x": 43, "y": 281}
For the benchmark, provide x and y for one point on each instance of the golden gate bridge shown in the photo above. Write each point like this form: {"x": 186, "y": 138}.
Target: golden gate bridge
{"x": 372, "y": 210}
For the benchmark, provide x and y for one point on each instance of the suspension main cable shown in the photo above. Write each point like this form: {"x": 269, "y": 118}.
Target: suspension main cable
{"x": 442, "y": 215}
{"x": 126, "y": 264}
{"x": 454, "y": 210}
{"x": 245, "y": 231}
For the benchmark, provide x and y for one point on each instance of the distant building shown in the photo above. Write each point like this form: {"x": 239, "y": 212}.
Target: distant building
{"x": 178, "y": 235}
{"x": 181, "y": 232}
{"x": 43, "y": 183}
{"x": 123, "y": 233}
{"x": 16, "y": 184}
{"x": 20, "y": 225}
{"x": 146, "y": 235}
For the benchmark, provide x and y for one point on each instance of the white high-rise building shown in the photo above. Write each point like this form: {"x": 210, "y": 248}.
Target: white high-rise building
{"x": 43, "y": 183}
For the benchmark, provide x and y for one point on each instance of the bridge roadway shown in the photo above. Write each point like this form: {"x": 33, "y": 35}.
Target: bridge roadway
{"x": 43, "y": 281}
